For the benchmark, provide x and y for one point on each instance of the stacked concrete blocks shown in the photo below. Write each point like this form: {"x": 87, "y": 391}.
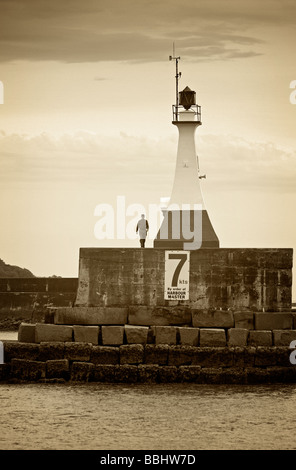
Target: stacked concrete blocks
{"x": 147, "y": 345}
{"x": 132, "y": 363}
{"x": 209, "y": 329}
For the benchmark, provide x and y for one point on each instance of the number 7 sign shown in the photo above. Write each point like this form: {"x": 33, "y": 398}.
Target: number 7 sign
{"x": 176, "y": 275}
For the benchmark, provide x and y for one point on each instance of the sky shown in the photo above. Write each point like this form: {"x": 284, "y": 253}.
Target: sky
{"x": 87, "y": 119}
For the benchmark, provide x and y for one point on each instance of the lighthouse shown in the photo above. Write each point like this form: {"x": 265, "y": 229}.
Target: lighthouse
{"x": 186, "y": 223}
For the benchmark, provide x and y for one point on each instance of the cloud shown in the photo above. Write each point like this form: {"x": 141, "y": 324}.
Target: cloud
{"x": 131, "y": 163}
{"x": 234, "y": 163}
{"x": 83, "y": 159}
{"x": 92, "y": 31}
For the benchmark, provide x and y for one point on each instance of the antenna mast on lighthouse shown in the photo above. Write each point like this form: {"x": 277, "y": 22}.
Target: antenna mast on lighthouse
{"x": 178, "y": 75}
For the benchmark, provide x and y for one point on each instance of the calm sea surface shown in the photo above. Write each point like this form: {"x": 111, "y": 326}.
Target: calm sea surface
{"x": 140, "y": 417}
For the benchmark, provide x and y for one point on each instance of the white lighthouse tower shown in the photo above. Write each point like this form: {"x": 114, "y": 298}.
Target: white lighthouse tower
{"x": 186, "y": 224}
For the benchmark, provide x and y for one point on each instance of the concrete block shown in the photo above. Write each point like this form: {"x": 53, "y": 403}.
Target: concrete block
{"x": 4, "y": 371}
{"x": 131, "y": 354}
{"x": 168, "y": 374}
{"x": 243, "y": 356}
{"x": 91, "y": 316}
{"x": 26, "y": 333}
{"x": 156, "y": 354}
{"x": 260, "y": 338}
{"x": 249, "y": 356}
{"x": 283, "y": 355}
{"x": 233, "y": 375}
{"x": 238, "y": 356}
{"x": 188, "y": 336}
{"x": 273, "y": 321}
{"x": 136, "y": 334}
{"x": 79, "y": 352}
{"x": 212, "y": 337}
{"x": 57, "y": 368}
{"x": 211, "y": 375}
{"x": 159, "y": 316}
{"x": 237, "y": 337}
{"x": 25, "y": 369}
{"x": 104, "y": 355}
{"x": 86, "y": 334}
{"x": 283, "y": 375}
{"x": 213, "y": 356}
{"x": 51, "y": 351}
{"x": 46, "y": 332}
{"x": 257, "y": 375}
{"x": 148, "y": 373}
{"x": 189, "y": 373}
{"x": 283, "y": 337}
{"x": 112, "y": 335}
{"x": 262, "y": 375}
{"x": 265, "y": 356}
{"x": 81, "y": 371}
{"x": 103, "y": 373}
{"x": 165, "y": 335}
{"x": 15, "y": 350}
{"x": 244, "y": 320}
{"x": 126, "y": 373}
{"x": 212, "y": 319}
{"x": 180, "y": 355}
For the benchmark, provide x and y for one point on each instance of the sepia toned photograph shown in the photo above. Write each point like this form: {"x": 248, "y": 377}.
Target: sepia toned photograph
{"x": 148, "y": 231}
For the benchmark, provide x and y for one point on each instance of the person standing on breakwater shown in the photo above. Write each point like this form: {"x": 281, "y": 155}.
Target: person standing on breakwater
{"x": 142, "y": 227}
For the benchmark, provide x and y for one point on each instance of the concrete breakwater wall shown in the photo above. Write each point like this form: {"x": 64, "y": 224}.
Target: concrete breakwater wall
{"x": 227, "y": 278}
{"x": 236, "y": 327}
{"x": 150, "y": 363}
{"x": 240, "y": 351}
{"x": 29, "y": 299}
{"x": 115, "y": 327}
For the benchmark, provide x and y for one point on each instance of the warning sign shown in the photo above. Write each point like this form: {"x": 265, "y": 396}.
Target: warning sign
{"x": 176, "y": 282}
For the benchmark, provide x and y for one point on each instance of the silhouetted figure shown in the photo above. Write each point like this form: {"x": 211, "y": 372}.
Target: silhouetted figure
{"x": 142, "y": 227}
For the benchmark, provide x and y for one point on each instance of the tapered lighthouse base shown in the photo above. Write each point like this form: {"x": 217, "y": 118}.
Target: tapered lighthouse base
{"x": 183, "y": 230}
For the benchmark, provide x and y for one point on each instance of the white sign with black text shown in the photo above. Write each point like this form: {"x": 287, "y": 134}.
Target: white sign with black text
{"x": 176, "y": 282}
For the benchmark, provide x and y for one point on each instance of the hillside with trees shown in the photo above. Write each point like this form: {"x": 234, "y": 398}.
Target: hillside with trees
{"x": 6, "y": 270}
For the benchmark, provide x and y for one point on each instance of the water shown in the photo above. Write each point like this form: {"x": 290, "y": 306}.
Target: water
{"x": 141, "y": 417}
